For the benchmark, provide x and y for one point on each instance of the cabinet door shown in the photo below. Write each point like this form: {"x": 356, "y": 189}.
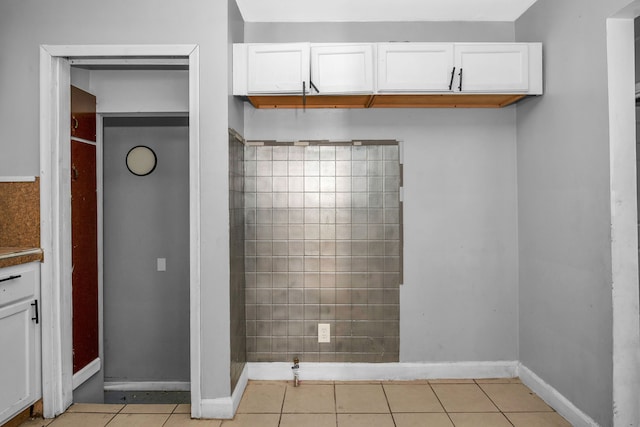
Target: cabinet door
{"x": 492, "y": 68}
{"x": 83, "y": 114}
{"x": 277, "y": 68}
{"x": 19, "y": 338}
{"x": 338, "y": 69}
{"x": 415, "y": 67}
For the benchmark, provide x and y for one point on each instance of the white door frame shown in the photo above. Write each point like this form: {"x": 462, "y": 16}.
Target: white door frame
{"x": 55, "y": 212}
{"x": 624, "y": 216}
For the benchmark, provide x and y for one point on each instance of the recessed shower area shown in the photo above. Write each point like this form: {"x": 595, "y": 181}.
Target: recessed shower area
{"x": 322, "y": 246}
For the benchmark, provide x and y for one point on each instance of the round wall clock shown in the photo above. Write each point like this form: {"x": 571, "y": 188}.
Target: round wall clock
{"x": 141, "y": 160}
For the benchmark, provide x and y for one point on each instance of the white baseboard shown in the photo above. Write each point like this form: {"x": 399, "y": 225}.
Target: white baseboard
{"x": 382, "y": 371}
{"x": 557, "y": 401}
{"x": 225, "y": 407}
{"x": 147, "y": 386}
{"x": 85, "y": 373}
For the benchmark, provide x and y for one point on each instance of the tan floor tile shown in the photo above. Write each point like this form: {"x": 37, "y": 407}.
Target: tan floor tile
{"x": 479, "y": 420}
{"x": 463, "y": 398}
{"x": 365, "y": 420}
{"x": 451, "y": 381}
{"x": 515, "y": 398}
{"x": 184, "y": 420}
{"x": 262, "y": 398}
{"x": 421, "y": 420}
{"x": 407, "y": 382}
{"x": 538, "y": 419}
{"x": 95, "y": 407}
{"x": 515, "y": 380}
{"x": 139, "y": 420}
{"x": 308, "y": 420}
{"x": 36, "y": 422}
{"x": 412, "y": 398}
{"x": 361, "y": 399}
{"x": 253, "y": 420}
{"x": 310, "y": 399}
{"x": 144, "y": 408}
{"x": 183, "y": 408}
{"x": 82, "y": 420}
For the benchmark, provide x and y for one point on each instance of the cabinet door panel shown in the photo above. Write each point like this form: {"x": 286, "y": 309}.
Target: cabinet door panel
{"x": 493, "y": 68}
{"x": 277, "y": 68}
{"x": 342, "y": 69}
{"x": 83, "y": 114}
{"x": 84, "y": 254}
{"x": 18, "y": 387}
{"x": 415, "y": 67}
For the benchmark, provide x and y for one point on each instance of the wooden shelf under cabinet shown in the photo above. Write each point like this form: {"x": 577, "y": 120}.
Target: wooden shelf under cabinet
{"x": 385, "y": 101}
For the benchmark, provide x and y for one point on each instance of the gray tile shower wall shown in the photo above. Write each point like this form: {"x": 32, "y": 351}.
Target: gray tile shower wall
{"x": 322, "y": 245}
{"x": 236, "y": 254}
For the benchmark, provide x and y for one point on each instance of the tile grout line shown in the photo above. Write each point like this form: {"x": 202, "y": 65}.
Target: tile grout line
{"x": 475, "y": 381}
{"x": 440, "y": 401}
{"x": 284, "y": 397}
{"x": 393, "y": 420}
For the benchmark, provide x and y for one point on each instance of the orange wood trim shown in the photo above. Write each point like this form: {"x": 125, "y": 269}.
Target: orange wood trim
{"x": 386, "y": 101}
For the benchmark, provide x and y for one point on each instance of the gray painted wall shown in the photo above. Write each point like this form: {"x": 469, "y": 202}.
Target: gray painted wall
{"x": 564, "y": 206}
{"x": 459, "y": 298}
{"x": 146, "y": 312}
{"x": 24, "y": 25}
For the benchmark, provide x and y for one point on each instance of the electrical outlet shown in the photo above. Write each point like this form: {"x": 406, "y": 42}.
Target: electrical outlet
{"x": 324, "y": 332}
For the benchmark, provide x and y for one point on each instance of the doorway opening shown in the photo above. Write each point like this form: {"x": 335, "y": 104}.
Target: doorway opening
{"x": 56, "y": 210}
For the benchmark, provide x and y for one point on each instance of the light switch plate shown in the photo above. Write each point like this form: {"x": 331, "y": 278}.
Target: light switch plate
{"x": 162, "y": 264}
{"x": 324, "y": 332}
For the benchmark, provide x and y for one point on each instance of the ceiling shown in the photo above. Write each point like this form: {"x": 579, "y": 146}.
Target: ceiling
{"x": 381, "y": 10}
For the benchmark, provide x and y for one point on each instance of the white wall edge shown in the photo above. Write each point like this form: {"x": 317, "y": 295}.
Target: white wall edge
{"x": 382, "y": 371}
{"x": 85, "y": 373}
{"x": 225, "y": 407}
{"x": 554, "y": 398}
{"x": 147, "y": 386}
{"x": 17, "y": 178}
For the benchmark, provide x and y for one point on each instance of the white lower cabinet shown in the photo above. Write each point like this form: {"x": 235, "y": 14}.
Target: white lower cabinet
{"x": 20, "y": 382}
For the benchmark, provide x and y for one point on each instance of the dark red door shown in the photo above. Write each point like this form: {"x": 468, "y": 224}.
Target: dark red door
{"x": 84, "y": 241}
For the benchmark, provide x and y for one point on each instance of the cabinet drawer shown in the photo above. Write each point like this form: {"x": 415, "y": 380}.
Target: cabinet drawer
{"x": 18, "y": 282}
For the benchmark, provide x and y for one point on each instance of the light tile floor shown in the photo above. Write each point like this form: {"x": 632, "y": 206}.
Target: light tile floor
{"x": 435, "y": 403}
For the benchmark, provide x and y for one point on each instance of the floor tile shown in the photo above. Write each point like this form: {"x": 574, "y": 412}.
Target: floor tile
{"x": 412, "y": 398}
{"x": 515, "y": 398}
{"x": 310, "y": 399}
{"x": 253, "y": 420}
{"x": 421, "y": 420}
{"x": 36, "y": 422}
{"x": 363, "y": 398}
{"x": 82, "y": 420}
{"x": 479, "y": 420}
{"x": 184, "y": 420}
{"x": 262, "y": 399}
{"x": 183, "y": 408}
{"x": 146, "y": 408}
{"x": 463, "y": 398}
{"x": 365, "y": 420}
{"x": 538, "y": 419}
{"x": 139, "y": 420}
{"x": 451, "y": 381}
{"x": 308, "y": 420}
{"x": 95, "y": 407}
{"x": 514, "y": 380}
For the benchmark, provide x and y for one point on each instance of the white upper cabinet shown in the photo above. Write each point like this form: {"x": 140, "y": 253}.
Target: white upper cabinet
{"x": 342, "y": 68}
{"x": 415, "y": 67}
{"x": 492, "y": 68}
{"x": 275, "y": 68}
